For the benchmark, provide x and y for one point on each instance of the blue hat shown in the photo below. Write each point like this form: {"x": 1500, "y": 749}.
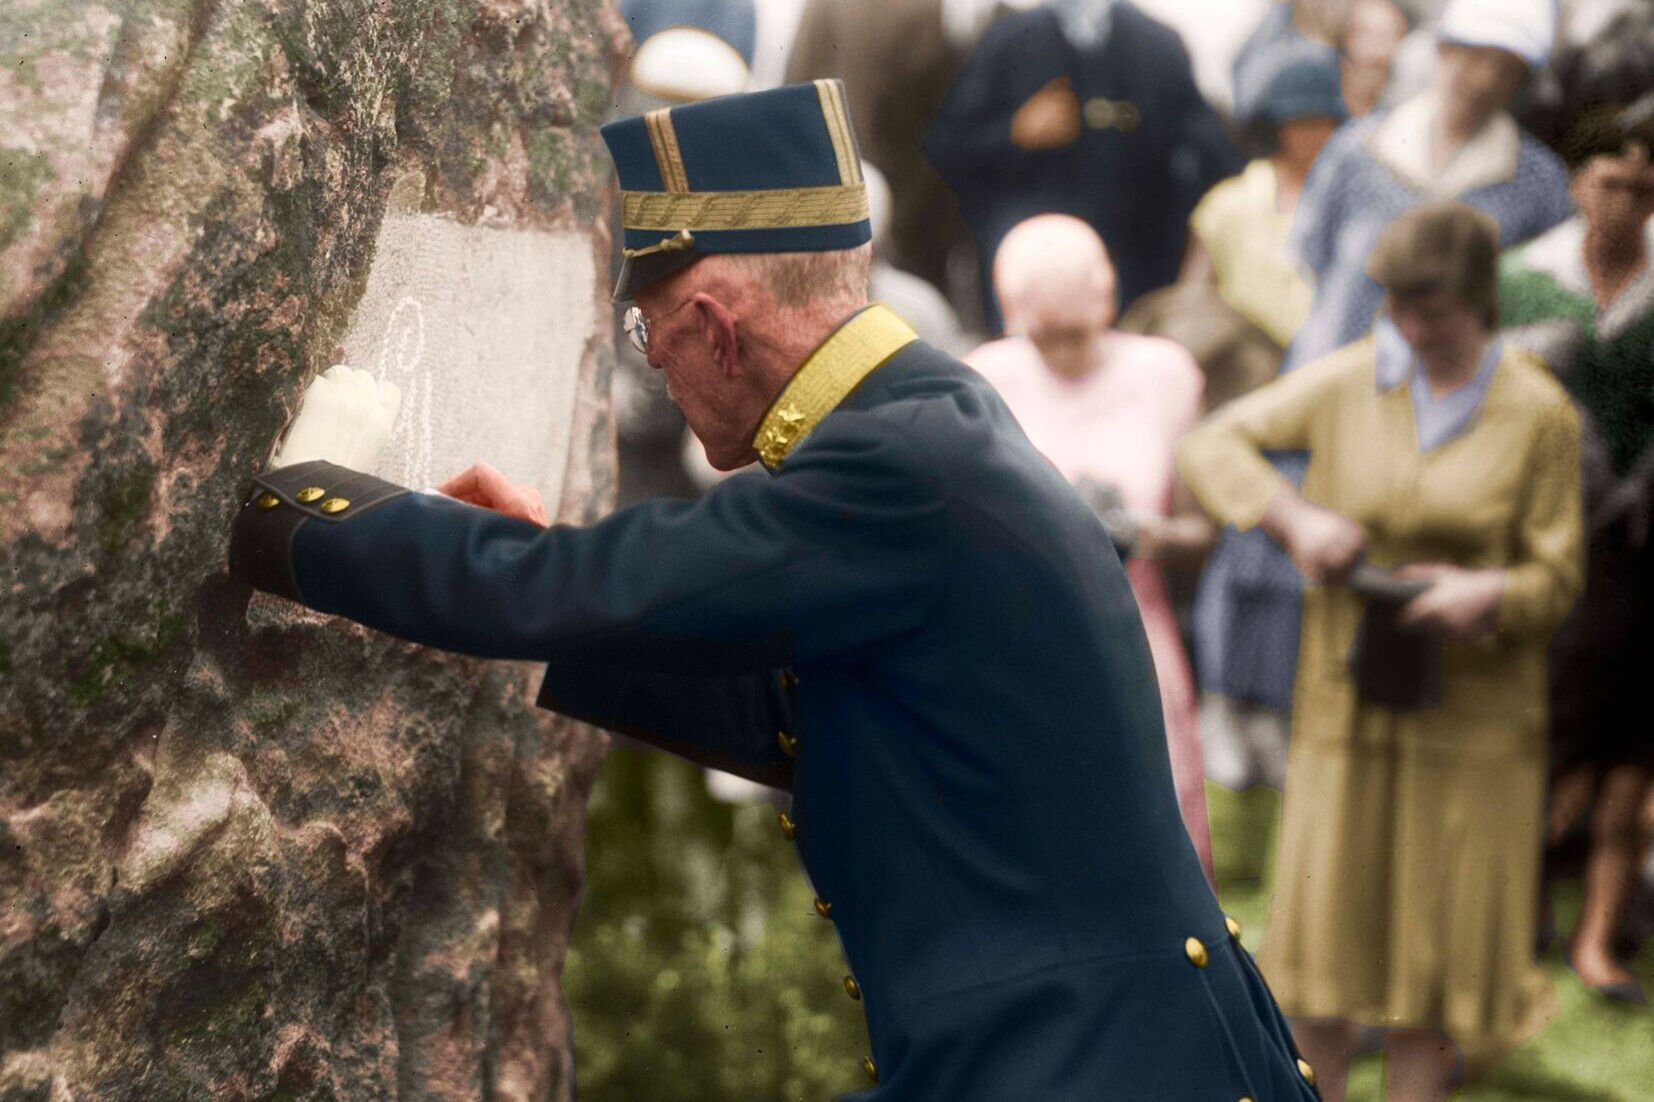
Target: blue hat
{"x": 733, "y": 21}
{"x": 762, "y": 172}
{"x": 1295, "y": 80}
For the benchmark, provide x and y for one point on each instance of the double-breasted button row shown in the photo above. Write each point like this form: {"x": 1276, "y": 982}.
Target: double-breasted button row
{"x": 1196, "y": 950}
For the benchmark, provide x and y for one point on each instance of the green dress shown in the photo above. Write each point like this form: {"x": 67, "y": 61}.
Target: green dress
{"x": 1599, "y": 688}
{"x": 1604, "y": 357}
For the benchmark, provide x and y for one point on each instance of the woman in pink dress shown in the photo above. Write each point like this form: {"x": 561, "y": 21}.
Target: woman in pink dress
{"x": 1106, "y": 408}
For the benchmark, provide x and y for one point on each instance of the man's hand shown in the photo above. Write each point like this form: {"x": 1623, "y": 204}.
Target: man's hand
{"x": 1324, "y": 545}
{"x": 345, "y": 417}
{"x": 1050, "y": 118}
{"x": 1462, "y": 605}
{"x": 483, "y": 485}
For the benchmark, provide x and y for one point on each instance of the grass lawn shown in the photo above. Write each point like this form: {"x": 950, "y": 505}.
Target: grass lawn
{"x": 1594, "y": 1052}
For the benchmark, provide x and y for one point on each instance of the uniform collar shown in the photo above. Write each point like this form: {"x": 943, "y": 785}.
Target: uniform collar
{"x": 833, "y": 370}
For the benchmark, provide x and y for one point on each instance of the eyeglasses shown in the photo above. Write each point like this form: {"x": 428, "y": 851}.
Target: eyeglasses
{"x": 637, "y": 326}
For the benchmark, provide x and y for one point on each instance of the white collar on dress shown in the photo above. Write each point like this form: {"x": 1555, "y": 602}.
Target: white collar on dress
{"x": 1403, "y": 142}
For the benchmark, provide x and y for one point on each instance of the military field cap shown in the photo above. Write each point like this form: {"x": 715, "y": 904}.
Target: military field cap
{"x": 691, "y": 49}
{"x": 763, "y": 172}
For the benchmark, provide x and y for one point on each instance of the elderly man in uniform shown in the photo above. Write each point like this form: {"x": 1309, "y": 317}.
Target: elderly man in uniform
{"x": 913, "y": 622}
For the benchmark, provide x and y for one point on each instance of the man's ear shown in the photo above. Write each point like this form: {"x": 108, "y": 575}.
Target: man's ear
{"x": 719, "y": 331}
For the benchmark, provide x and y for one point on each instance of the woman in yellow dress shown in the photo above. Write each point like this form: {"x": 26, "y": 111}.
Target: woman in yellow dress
{"x": 1444, "y": 463}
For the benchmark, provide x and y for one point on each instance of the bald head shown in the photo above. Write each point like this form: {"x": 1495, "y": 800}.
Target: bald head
{"x": 1056, "y": 286}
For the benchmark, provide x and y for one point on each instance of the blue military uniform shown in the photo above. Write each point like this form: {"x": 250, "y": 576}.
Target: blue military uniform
{"x": 916, "y": 626}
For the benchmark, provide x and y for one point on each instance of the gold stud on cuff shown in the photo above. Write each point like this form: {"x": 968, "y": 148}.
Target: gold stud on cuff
{"x": 267, "y": 500}
{"x": 1196, "y": 952}
{"x": 309, "y": 494}
{"x": 334, "y": 505}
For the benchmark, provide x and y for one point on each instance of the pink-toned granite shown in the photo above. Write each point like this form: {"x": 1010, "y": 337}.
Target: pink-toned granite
{"x": 247, "y": 852}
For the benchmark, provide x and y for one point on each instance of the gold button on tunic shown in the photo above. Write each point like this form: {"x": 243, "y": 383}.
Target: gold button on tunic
{"x": 1195, "y": 950}
{"x": 309, "y": 494}
{"x": 823, "y": 908}
{"x": 788, "y": 827}
{"x": 852, "y": 988}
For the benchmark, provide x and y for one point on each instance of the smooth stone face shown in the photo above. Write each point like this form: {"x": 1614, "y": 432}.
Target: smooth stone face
{"x": 484, "y": 331}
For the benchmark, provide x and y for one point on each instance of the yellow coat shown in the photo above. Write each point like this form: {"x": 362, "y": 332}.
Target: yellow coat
{"x": 1406, "y": 885}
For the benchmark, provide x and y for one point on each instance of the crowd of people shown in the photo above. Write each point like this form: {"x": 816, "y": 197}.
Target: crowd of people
{"x": 1355, "y": 359}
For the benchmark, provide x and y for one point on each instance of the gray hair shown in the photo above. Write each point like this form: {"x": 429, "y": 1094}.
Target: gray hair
{"x": 835, "y": 278}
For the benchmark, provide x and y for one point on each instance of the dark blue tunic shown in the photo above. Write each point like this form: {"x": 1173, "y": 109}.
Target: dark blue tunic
{"x": 918, "y": 627}
{"x": 1149, "y": 145}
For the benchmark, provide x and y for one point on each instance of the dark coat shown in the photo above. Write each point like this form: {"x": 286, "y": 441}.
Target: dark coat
{"x": 1149, "y": 147}
{"x": 918, "y": 627}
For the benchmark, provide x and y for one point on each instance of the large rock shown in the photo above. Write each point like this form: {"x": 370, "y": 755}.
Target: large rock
{"x": 247, "y": 852}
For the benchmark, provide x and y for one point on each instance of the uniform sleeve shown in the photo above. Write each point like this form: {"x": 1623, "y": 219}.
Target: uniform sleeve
{"x": 1222, "y": 460}
{"x": 1208, "y": 154}
{"x": 1545, "y": 577}
{"x": 840, "y": 549}
{"x": 743, "y": 724}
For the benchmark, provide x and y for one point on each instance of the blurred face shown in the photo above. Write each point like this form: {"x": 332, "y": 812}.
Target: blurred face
{"x": 1066, "y": 330}
{"x": 1476, "y": 82}
{"x": 1439, "y": 325}
{"x": 680, "y": 343}
{"x": 1301, "y": 139}
{"x": 1373, "y": 32}
{"x": 1616, "y": 193}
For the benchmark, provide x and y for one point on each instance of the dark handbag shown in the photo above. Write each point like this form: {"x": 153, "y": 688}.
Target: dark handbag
{"x": 1397, "y": 668}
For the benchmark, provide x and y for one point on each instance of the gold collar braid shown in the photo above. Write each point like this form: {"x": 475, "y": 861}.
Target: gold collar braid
{"x": 833, "y": 370}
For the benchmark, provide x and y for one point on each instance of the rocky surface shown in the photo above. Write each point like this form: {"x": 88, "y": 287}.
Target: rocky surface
{"x": 247, "y": 852}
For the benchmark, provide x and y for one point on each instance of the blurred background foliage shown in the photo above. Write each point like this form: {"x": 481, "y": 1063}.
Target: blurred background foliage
{"x": 699, "y": 972}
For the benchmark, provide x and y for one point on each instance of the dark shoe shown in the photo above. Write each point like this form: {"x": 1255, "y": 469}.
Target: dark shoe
{"x": 1629, "y": 993}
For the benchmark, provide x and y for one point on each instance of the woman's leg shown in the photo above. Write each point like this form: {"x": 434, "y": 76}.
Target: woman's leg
{"x": 1326, "y": 1043}
{"x": 1418, "y": 1066}
{"x": 1619, "y": 846}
